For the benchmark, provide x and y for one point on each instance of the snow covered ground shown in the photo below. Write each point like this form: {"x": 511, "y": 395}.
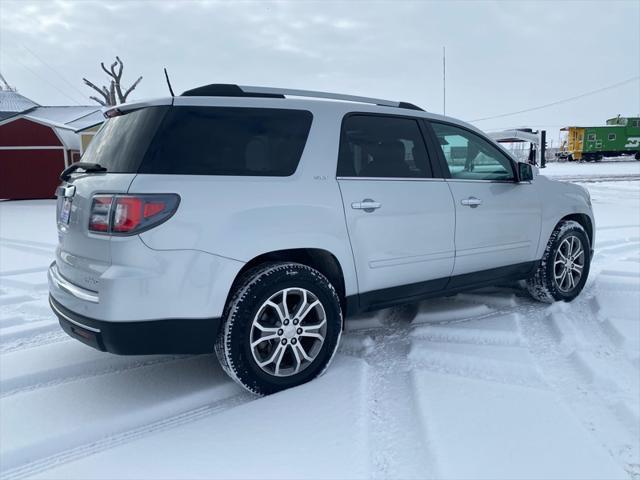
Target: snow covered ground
{"x": 485, "y": 385}
{"x": 619, "y": 168}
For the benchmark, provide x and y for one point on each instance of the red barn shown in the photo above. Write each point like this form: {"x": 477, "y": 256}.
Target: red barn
{"x": 36, "y": 144}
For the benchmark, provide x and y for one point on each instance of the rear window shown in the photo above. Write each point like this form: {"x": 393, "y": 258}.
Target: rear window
{"x": 204, "y": 141}
{"x": 122, "y": 142}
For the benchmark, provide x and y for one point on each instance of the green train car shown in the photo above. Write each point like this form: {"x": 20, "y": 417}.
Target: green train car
{"x": 620, "y": 136}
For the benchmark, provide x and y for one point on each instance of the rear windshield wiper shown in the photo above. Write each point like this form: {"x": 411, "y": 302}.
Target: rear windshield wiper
{"x": 86, "y": 166}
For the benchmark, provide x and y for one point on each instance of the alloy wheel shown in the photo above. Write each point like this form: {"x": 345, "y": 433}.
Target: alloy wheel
{"x": 568, "y": 264}
{"x": 288, "y": 331}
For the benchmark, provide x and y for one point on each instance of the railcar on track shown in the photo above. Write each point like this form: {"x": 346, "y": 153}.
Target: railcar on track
{"x": 620, "y": 136}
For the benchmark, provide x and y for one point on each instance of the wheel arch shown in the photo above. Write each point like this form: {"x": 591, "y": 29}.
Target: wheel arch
{"x": 584, "y": 220}
{"x": 317, "y": 258}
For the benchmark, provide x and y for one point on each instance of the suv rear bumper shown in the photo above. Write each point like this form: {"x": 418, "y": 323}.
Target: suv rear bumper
{"x": 166, "y": 336}
{"x": 135, "y": 282}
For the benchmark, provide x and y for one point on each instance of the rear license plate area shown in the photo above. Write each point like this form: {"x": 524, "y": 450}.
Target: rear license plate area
{"x": 65, "y": 211}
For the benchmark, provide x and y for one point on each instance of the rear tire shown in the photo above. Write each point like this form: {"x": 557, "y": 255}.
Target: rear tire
{"x": 282, "y": 328}
{"x": 565, "y": 264}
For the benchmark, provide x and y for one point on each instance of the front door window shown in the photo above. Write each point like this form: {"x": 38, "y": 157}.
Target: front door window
{"x": 470, "y": 157}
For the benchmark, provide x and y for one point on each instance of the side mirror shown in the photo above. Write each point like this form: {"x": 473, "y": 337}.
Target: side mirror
{"x": 525, "y": 172}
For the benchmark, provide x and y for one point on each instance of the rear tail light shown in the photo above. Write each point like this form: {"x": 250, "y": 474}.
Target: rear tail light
{"x": 100, "y": 208}
{"x": 130, "y": 214}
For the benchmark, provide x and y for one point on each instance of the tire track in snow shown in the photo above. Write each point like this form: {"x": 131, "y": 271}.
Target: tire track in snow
{"x": 553, "y": 343}
{"x": 488, "y": 347}
{"x": 398, "y": 432}
{"x": 556, "y": 364}
{"x": 111, "y": 441}
{"x": 630, "y": 246}
{"x": 26, "y": 320}
{"x": 22, "y": 271}
{"x": 589, "y": 332}
{"x": 6, "y": 322}
{"x": 78, "y": 372}
{"x": 398, "y": 449}
{"x": 18, "y": 241}
{"x": 619, "y": 227}
{"x": 49, "y": 252}
{"x": 26, "y": 329}
{"x": 13, "y": 299}
{"x": 39, "y": 288}
{"x": 490, "y": 363}
{"x": 23, "y": 323}
{"x": 603, "y": 244}
{"x": 162, "y": 395}
{"x": 55, "y": 334}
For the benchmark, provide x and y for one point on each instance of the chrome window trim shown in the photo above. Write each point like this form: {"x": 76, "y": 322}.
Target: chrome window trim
{"x": 473, "y": 180}
{"x": 391, "y": 179}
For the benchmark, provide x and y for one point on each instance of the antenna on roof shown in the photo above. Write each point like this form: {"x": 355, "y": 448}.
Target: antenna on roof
{"x": 6, "y": 86}
{"x": 166, "y": 75}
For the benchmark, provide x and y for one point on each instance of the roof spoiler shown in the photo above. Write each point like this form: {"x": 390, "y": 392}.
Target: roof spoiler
{"x": 117, "y": 110}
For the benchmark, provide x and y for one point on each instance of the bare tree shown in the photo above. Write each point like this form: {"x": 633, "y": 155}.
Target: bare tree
{"x": 113, "y": 94}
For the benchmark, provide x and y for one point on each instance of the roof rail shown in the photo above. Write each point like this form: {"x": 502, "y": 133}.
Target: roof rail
{"x": 228, "y": 90}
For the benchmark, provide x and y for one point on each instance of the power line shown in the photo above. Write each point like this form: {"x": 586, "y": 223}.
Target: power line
{"x": 53, "y": 70}
{"x": 558, "y": 102}
{"x": 43, "y": 79}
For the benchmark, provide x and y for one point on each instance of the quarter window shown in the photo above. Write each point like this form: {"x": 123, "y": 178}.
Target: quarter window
{"x": 228, "y": 141}
{"x": 471, "y": 157}
{"x": 382, "y": 147}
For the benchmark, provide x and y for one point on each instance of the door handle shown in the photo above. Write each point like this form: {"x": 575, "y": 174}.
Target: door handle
{"x": 472, "y": 202}
{"x": 367, "y": 205}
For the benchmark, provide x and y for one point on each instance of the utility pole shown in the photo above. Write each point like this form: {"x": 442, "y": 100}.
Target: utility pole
{"x": 444, "y": 82}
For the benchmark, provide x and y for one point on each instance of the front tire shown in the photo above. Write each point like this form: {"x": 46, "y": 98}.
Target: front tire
{"x": 282, "y": 328}
{"x": 565, "y": 264}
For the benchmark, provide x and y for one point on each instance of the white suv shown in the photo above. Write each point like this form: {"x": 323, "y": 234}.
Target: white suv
{"x": 243, "y": 221}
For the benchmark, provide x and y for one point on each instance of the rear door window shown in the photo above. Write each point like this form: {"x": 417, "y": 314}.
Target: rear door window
{"x": 228, "y": 141}
{"x": 377, "y": 146}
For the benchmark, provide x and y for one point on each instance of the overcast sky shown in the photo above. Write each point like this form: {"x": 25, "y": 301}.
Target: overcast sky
{"x": 501, "y": 56}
